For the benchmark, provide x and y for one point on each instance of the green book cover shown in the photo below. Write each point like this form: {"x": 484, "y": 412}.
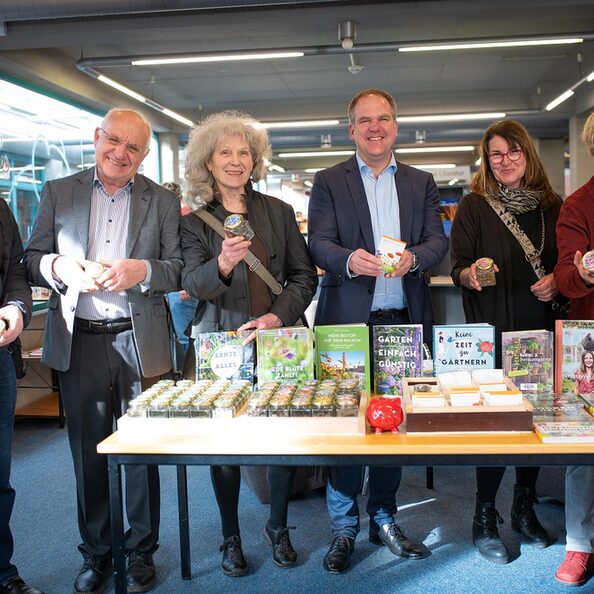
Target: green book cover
{"x": 397, "y": 353}
{"x": 285, "y": 354}
{"x": 342, "y": 352}
{"x": 220, "y": 355}
{"x": 527, "y": 359}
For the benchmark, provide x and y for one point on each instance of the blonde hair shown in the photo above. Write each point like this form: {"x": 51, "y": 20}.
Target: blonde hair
{"x": 535, "y": 178}
{"x": 588, "y": 134}
{"x": 204, "y": 139}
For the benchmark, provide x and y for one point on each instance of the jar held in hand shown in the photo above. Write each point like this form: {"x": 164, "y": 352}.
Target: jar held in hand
{"x": 236, "y": 225}
{"x": 485, "y": 272}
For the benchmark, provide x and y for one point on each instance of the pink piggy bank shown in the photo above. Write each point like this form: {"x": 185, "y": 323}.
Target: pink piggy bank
{"x": 385, "y": 414}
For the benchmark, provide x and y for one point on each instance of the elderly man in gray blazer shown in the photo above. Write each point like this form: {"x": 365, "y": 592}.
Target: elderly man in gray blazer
{"x": 106, "y": 240}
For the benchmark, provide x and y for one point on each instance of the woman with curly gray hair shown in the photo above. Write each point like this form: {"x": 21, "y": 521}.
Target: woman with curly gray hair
{"x": 225, "y": 153}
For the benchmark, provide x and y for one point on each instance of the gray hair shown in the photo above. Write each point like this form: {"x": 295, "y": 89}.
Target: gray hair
{"x": 113, "y": 110}
{"x": 204, "y": 139}
{"x": 588, "y": 134}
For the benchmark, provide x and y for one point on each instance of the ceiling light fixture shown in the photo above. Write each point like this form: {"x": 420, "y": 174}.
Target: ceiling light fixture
{"x": 315, "y": 154}
{"x": 313, "y": 169}
{"x": 296, "y": 124}
{"x": 590, "y": 77}
{"x": 121, "y": 88}
{"x": 454, "y": 117}
{"x": 453, "y": 181}
{"x": 223, "y": 57}
{"x": 560, "y": 99}
{"x": 435, "y": 149}
{"x": 434, "y": 165}
{"x": 490, "y": 44}
{"x": 178, "y": 117}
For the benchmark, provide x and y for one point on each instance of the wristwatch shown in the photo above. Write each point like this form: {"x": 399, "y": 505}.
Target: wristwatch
{"x": 415, "y": 263}
{"x": 18, "y": 304}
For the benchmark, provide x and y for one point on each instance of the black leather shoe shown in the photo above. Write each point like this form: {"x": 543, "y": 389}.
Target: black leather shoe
{"x": 140, "y": 575}
{"x": 524, "y": 520}
{"x": 283, "y": 553}
{"x": 485, "y": 535}
{"x": 234, "y": 563}
{"x": 92, "y": 576}
{"x": 392, "y": 536}
{"x": 16, "y": 585}
{"x": 338, "y": 557}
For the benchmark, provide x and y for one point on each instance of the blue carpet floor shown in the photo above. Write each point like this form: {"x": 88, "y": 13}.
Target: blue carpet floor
{"x": 46, "y": 534}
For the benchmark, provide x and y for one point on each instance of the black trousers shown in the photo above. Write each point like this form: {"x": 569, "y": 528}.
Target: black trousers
{"x": 103, "y": 377}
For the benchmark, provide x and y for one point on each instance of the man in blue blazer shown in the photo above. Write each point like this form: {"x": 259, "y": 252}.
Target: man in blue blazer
{"x": 106, "y": 240}
{"x": 352, "y": 205}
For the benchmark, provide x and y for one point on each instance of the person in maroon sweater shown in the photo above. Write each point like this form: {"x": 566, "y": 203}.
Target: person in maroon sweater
{"x": 575, "y": 236}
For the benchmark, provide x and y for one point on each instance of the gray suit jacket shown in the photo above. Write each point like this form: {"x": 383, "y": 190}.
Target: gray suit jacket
{"x": 62, "y": 227}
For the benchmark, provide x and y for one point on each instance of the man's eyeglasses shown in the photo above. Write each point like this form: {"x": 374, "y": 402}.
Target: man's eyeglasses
{"x": 133, "y": 149}
{"x": 513, "y": 155}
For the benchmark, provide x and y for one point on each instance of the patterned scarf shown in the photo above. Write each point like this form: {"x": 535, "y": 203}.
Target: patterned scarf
{"x": 519, "y": 201}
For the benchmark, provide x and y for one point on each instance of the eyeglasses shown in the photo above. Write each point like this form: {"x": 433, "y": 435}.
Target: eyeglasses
{"x": 133, "y": 149}
{"x": 514, "y": 154}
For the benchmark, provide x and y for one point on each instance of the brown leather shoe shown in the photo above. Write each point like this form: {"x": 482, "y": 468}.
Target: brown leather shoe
{"x": 16, "y": 585}
{"x": 140, "y": 572}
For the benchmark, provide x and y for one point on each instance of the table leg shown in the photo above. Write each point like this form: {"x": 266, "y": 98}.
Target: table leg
{"x": 117, "y": 524}
{"x": 184, "y": 525}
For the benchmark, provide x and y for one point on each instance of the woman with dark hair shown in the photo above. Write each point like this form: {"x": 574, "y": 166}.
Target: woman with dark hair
{"x": 510, "y": 217}
{"x": 225, "y": 153}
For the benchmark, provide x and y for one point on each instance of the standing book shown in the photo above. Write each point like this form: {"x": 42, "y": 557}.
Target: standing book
{"x": 342, "y": 352}
{"x": 572, "y": 339}
{"x": 463, "y": 347}
{"x": 397, "y": 353}
{"x": 565, "y": 432}
{"x": 527, "y": 359}
{"x": 285, "y": 354}
{"x": 221, "y": 355}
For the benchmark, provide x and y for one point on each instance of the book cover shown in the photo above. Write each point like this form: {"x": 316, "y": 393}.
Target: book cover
{"x": 285, "y": 354}
{"x": 342, "y": 352}
{"x": 527, "y": 359}
{"x": 557, "y": 408}
{"x": 397, "y": 353}
{"x": 574, "y": 342}
{"x": 463, "y": 346}
{"x": 220, "y": 355}
{"x": 567, "y": 432}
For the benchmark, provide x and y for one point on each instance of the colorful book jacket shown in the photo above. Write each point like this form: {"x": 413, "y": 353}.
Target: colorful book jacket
{"x": 285, "y": 354}
{"x": 557, "y": 408}
{"x": 574, "y": 339}
{"x": 527, "y": 359}
{"x": 567, "y": 432}
{"x": 397, "y": 353}
{"x": 463, "y": 346}
{"x": 342, "y": 352}
{"x": 220, "y": 355}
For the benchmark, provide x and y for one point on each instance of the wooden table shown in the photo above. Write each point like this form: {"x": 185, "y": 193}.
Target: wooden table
{"x": 428, "y": 449}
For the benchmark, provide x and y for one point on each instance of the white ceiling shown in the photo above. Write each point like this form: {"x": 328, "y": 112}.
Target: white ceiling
{"x": 519, "y": 81}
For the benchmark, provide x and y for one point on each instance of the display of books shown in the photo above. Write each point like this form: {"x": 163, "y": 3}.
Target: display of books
{"x": 565, "y": 432}
{"x": 397, "y": 353}
{"x": 527, "y": 359}
{"x": 342, "y": 353}
{"x": 463, "y": 346}
{"x": 572, "y": 339}
{"x": 285, "y": 354}
{"x": 221, "y": 355}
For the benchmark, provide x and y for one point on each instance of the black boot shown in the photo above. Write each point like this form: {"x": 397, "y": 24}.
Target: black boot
{"x": 283, "y": 553}
{"x": 524, "y": 520}
{"x": 485, "y": 536}
{"x": 233, "y": 563}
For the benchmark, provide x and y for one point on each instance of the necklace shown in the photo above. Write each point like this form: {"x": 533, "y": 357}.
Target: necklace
{"x": 530, "y": 257}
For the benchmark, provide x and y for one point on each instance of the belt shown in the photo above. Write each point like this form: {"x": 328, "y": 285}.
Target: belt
{"x": 103, "y": 326}
{"x": 389, "y": 314}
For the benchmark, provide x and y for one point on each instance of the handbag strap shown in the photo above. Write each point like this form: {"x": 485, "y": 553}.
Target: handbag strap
{"x": 254, "y": 264}
{"x": 509, "y": 220}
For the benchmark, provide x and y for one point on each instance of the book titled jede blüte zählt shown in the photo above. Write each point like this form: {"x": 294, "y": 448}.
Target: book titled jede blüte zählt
{"x": 463, "y": 346}
{"x": 397, "y": 353}
{"x": 221, "y": 355}
{"x": 342, "y": 352}
{"x": 573, "y": 339}
{"x": 285, "y": 354}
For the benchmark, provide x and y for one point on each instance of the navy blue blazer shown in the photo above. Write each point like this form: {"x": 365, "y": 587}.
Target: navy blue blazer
{"x": 340, "y": 223}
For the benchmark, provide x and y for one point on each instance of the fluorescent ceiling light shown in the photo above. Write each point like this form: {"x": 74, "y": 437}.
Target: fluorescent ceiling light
{"x": 313, "y": 169}
{"x": 178, "y": 117}
{"x": 297, "y": 124}
{"x": 435, "y": 166}
{"x": 29, "y": 168}
{"x": 121, "y": 88}
{"x": 275, "y": 167}
{"x": 590, "y": 77}
{"x": 308, "y": 183}
{"x": 453, "y": 181}
{"x": 490, "y": 44}
{"x": 316, "y": 154}
{"x": 559, "y": 100}
{"x": 455, "y": 117}
{"x": 435, "y": 149}
{"x": 216, "y": 58}
{"x": 478, "y": 162}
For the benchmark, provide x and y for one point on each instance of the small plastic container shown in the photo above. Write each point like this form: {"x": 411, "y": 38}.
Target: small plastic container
{"x": 485, "y": 272}
{"x": 588, "y": 261}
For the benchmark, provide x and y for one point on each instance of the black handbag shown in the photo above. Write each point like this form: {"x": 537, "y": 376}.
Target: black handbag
{"x": 16, "y": 350}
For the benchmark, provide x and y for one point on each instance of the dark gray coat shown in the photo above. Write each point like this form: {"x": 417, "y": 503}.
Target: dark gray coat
{"x": 224, "y": 304}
